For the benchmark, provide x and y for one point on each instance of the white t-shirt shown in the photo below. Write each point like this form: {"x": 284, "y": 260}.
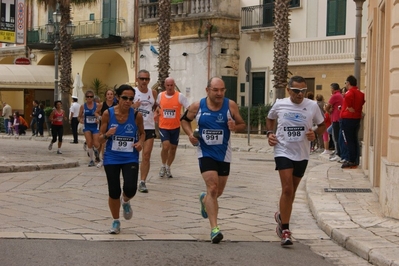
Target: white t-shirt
{"x": 293, "y": 121}
{"x": 75, "y": 108}
{"x": 147, "y": 102}
{"x": 182, "y": 99}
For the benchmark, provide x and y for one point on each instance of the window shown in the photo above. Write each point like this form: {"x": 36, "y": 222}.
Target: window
{"x": 91, "y": 16}
{"x": 268, "y": 11}
{"x": 336, "y": 17}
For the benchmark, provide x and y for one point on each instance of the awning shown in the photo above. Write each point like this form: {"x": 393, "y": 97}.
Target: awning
{"x": 26, "y": 77}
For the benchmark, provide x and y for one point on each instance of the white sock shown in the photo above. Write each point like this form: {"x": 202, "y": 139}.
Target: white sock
{"x": 167, "y": 166}
{"x": 91, "y": 153}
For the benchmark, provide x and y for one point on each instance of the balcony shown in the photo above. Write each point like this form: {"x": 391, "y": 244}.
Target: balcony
{"x": 187, "y": 8}
{"x": 326, "y": 50}
{"x": 257, "y": 17}
{"x": 87, "y": 34}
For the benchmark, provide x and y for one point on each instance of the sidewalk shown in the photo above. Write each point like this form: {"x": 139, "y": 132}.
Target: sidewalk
{"x": 352, "y": 219}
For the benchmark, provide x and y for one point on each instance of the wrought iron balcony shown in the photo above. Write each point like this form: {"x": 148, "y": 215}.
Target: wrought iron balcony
{"x": 260, "y": 16}
{"x": 89, "y": 29}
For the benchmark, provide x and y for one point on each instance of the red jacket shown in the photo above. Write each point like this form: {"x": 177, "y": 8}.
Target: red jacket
{"x": 353, "y": 98}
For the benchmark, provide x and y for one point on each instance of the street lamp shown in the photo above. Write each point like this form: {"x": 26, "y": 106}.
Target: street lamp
{"x": 53, "y": 30}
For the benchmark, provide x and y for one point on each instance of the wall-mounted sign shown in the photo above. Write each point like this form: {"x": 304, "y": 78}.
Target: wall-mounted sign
{"x": 22, "y": 61}
{"x": 12, "y": 21}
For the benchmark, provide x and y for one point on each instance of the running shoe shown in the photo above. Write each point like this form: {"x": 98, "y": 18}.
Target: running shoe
{"x": 100, "y": 164}
{"x": 334, "y": 158}
{"x": 50, "y": 146}
{"x": 216, "y": 235}
{"x": 286, "y": 238}
{"x": 279, "y": 229}
{"x": 203, "y": 209}
{"x": 59, "y": 152}
{"x": 143, "y": 187}
{"x": 168, "y": 173}
{"x": 127, "y": 210}
{"x": 115, "y": 228}
{"x": 162, "y": 171}
{"x": 91, "y": 164}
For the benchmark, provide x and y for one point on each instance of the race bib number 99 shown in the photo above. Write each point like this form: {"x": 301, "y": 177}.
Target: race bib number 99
{"x": 122, "y": 144}
{"x": 212, "y": 136}
{"x": 91, "y": 119}
{"x": 293, "y": 134}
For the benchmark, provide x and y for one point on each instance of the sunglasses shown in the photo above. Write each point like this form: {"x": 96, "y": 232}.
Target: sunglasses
{"x": 90, "y": 96}
{"x": 297, "y": 91}
{"x": 125, "y": 98}
{"x": 146, "y": 79}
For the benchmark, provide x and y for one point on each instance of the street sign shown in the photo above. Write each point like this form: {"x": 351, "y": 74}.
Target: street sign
{"x": 22, "y": 61}
{"x": 248, "y": 65}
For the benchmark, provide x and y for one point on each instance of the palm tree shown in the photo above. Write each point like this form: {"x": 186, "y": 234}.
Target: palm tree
{"x": 64, "y": 6}
{"x": 281, "y": 46}
{"x": 164, "y": 41}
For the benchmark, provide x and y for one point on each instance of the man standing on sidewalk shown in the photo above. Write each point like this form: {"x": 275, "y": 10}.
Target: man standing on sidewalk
{"x": 296, "y": 116}
{"x": 351, "y": 114}
{"x": 333, "y": 107}
{"x": 170, "y": 103}
{"x": 74, "y": 118}
{"x": 216, "y": 117}
{"x": 7, "y": 112}
{"x": 144, "y": 102}
{"x": 35, "y": 113}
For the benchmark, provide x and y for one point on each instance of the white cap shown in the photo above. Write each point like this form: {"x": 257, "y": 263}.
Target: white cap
{"x": 75, "y": 97}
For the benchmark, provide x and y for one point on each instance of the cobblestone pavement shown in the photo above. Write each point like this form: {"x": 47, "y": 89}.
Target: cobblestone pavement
{"x": 68, "y": 200}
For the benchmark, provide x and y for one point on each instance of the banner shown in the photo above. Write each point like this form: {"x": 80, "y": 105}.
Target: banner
{"x": 20, "y": 26}
{"x": 7, "y": 21}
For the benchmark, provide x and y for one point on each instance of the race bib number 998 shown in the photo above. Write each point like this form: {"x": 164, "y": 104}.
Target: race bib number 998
{"x": 293, "y": 134}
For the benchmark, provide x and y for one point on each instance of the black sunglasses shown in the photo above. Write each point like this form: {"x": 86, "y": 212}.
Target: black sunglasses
{"x": 297, "y": 91}
{"x": 140, "y": 78}
{"x": 127, "y": 98}
{"x": 90, "y": 96}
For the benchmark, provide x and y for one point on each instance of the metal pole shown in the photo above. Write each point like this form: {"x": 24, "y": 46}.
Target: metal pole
{"x": 358, "y": 39}
{"x": 56, "y": 55}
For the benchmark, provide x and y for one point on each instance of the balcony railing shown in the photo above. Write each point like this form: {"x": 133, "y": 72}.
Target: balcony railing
{"x": 149, "y": 8}
{"x": 325, "y": 49}
{"x": 83, "y": 29}
{"x": 257, "y": 16}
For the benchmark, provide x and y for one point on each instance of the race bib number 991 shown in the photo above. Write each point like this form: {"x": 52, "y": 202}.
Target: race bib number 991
{"x": 212, "y": 136}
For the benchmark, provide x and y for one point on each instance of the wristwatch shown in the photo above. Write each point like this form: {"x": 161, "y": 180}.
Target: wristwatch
{"x": 105, "y": 136}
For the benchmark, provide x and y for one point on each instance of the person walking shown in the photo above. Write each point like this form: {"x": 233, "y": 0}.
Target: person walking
{"x": 7, "y": 112}
{"x": 122, "y": 132}
{"x": 296, "y": 116}
{"x": 74, "y": 119}
{"x": 57, "y": 129}
{"x": 351, "y": 114}
{"x": 40, "y": 120}
{"x": 35, "y": 113}
{"x": 108, "y": 103}
{"x": 144, "y": 102}
{"x": 216, "y": 117}
{"x": 170, "y": 103}
{"x": 87, "y": 116}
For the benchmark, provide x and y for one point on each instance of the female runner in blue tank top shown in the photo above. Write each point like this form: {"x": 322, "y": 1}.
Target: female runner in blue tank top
{"x": 122, "y": 131}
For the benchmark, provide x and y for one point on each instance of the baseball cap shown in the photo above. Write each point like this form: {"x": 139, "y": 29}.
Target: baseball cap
{"x": 74, "y": 97}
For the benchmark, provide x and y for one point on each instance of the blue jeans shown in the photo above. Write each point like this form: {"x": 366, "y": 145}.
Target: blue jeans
{"x": 343, "y": 145}
{"x": 350, "y": 128}
{"x": 6, "y": 120}
{"x": 33, "y": 125}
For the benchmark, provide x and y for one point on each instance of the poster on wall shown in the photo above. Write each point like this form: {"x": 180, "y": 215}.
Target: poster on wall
{"x": 7, "y": 21}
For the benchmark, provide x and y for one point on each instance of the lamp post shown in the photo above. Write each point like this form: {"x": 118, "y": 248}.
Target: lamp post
{"x": 358, "y": 39}
{"x": 53, "y": 30}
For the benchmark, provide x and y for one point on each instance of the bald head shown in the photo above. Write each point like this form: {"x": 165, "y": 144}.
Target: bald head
{"x": 170, "y": 86}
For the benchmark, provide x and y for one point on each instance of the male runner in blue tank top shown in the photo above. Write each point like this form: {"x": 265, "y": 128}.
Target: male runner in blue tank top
{"x": 216, "y": 117}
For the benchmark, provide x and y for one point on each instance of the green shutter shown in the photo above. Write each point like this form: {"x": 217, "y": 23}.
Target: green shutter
{"x": 336, "y": 17}
{"x": 231, "y": 87}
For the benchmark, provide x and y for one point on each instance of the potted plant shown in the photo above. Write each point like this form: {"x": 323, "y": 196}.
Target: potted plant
{"x": 47, "y": 113}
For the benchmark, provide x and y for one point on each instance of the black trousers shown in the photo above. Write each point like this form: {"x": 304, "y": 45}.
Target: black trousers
{"x": 74, "y": 126}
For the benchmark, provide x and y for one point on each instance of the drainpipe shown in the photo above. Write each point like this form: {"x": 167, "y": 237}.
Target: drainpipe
{"x": 209, "y": 28}
{"x": 136, "y": 36}
{"x": 358, "y": 39}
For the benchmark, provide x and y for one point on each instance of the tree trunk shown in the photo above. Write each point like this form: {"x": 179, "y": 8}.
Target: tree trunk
{"x": 281, "y": 46}
{"x": 164, "y": 42}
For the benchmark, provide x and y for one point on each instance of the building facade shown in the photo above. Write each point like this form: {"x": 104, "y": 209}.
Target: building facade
{"x": 322, "y": 46}
{"x": 381, "y": 138}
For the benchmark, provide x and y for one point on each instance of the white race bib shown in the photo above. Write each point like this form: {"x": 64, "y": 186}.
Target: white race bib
{"x": 122, "y": 144}
{"x": 143, "y": 112}
{"x": 212, "y": 136}
{"x": 169, "y": 113}
{"x": 294, "y": 134}
{"x": 91, "y": 119}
